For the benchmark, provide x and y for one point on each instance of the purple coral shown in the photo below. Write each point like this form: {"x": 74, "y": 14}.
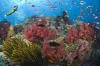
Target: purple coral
{"x": 4, "y": 28}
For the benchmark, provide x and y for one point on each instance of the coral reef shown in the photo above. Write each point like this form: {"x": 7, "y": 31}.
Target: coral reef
{"x": 53, "y": 41}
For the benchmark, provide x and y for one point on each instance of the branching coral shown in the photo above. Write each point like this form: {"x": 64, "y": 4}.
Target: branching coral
{"x": 21, "y": 53}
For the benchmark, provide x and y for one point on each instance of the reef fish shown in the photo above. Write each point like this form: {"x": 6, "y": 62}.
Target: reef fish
{"x": 12, "y": 11}
{"x": 31, "y": 4}
{"x": 82, "y": 2}
{"x": 53, "y": 44}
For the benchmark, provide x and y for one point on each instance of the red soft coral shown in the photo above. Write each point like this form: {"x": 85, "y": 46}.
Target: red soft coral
{"x": 86, "y": 32}
{"x": 37, "y": 33}
{"x": 72, "y": 35}
{"x": 53, "y": 54}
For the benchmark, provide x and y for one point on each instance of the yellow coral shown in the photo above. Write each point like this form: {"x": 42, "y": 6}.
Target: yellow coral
{"x": 24, "y": 55}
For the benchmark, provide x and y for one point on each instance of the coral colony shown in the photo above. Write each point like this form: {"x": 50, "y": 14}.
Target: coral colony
{"x": 42, "y": 41}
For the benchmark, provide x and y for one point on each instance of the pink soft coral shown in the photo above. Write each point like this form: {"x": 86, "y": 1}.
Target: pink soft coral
{"x": 37, "y": 33}
{"x": 80, "y": 53}
{"x": 86, "y": 32}
{"x": 52, "y": 54}
{"x": 72, "y": 35}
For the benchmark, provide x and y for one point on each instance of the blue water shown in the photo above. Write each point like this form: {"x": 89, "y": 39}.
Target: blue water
{"x": 73, "y": 7}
